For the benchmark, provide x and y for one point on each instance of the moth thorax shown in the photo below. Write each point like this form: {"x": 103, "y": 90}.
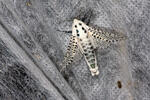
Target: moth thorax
{"x": 79, "y": 29}
{"x": 83, "y": 36}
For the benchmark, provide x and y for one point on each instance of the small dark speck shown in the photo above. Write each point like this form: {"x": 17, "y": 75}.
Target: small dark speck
{"x": 80, "y": 24}
{"x": 75, "y": 26}
{"x": 82, "y": 28}
{"x": 85, "y": 50}
{"x": 119, "y": 84}
{"x": 78, "y": 34}
{"x": 90, "y": 44}
{"x": 85, "y": 31}
{"x": 89, "y": 52}
{"x": 68, "y": 63}
{"x": 68, "y": 49}
{"x": 76, "y": 47}
{"x": 85, "y": 54}
{"x": 74, "y": 52}
{"x": 91, "y": 47}
{"x": 77, "y": 31}
{"x": 87, "y": 57}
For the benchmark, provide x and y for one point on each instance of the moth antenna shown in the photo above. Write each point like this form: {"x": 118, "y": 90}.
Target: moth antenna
{"x": 64, "y": 31}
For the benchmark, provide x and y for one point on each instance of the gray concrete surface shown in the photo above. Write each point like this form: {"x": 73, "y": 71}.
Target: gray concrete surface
{"x": 34, "y": 35}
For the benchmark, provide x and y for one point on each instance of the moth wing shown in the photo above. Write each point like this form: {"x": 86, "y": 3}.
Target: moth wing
{"x": 104, "y": 37}
{"x": 97, "y": 43}
{"x": 73, "y": 53}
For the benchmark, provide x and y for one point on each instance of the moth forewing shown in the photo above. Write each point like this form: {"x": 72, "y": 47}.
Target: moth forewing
{"x": 72, "y": 50}
{"x": 104, "y": 37}
{"x": 92, "y": 40}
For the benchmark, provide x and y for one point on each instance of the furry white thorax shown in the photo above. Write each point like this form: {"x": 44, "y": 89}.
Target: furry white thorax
{"x": 80, "y": 28}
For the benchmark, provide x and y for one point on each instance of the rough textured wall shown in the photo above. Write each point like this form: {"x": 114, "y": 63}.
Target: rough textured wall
{"x": 33, "y": 39}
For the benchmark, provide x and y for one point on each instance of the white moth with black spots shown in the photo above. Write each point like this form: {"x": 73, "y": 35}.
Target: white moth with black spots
{"x": 86, "y": 40}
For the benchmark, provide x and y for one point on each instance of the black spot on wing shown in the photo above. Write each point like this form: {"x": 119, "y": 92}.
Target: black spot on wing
{"x": 80, "y": 24}
{"x": 91, "y": 47}
{"x": 83, "y": 28}
{"x": 85, "y": 50}
{"x": 77, "y": 31}
{"x": 85, "y": 54}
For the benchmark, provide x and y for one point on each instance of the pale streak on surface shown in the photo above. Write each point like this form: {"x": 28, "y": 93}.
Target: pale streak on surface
{"x": 126, "y": 75}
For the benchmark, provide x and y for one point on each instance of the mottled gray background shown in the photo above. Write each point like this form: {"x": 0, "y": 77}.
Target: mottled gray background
{"x": 33, "y": 38}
